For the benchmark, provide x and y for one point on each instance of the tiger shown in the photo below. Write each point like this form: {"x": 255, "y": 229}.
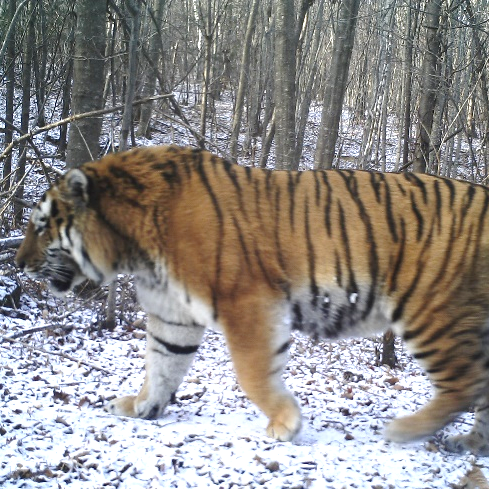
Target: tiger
{"x": 256, "y": 253}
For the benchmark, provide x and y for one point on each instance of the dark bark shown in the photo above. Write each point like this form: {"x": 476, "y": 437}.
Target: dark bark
{"x": 284, "y": 89}
{"x": 429, "y": 85}
{"x": 88, "y": 80}
{"x": 336, "y": 79}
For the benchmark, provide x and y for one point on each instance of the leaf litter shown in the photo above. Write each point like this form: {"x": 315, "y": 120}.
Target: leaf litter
{"x": 54, "y": 432}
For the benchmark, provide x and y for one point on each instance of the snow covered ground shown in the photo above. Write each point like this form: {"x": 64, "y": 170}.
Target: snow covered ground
{"x": 54, "y": 432}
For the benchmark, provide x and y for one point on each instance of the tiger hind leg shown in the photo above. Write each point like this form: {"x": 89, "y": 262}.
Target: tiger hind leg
{"x": 477, "y": 440}
{"x": 455, "y": 364}
{"x": 167, "y": 362}
{"x": 425, "y": 422}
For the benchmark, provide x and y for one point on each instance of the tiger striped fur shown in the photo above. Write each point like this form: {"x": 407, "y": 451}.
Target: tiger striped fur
{"x": 257, "y": 253}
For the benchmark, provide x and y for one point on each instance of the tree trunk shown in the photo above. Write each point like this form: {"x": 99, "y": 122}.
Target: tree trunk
{"x": 243, "y": 81}
{"x": 155, "y": 53}
{"x": 9, "y": 99}
{"x": 336, "y": 78}
{"x": 388, "y": 356}
{"x": 88, "y": 80}
{"x": 284, "y": 90}
{"x": 25, "y": 110}
{"x": 429, "y": 85}
{"x": 407, "y": 82}
{"x": 131, "y": 74}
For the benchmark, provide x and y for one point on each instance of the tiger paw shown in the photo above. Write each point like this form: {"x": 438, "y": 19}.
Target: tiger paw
{"x": 122, "y": 406}
{"x": 472, "y": 442}
{"x": 407, "y": 429}
{"x": 285, "y": 425}
{"x": 132, "y": 407}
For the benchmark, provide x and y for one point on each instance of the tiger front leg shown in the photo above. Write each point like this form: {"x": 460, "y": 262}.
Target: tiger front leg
{"x": 260, "y": 351}
{"x": 170, "y": 349}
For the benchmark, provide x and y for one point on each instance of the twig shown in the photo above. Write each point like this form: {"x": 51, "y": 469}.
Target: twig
{"x": 10, "y": 242}
{"x": 58, "y": 354}
{"x": 6, "y": 256}
{"x": 25, "y": 332}
{"x": 76, "y": 117}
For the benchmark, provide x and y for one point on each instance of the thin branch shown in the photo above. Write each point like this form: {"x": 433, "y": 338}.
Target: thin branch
{"x": 37, "y": 329}
{"x": 58, "y": 354}
{"x": 11, "y": 27}
{"x": 10, "y": 242}
{"x": 74, "y": 118}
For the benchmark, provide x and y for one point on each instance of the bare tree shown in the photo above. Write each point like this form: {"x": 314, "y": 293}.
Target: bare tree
{"x": 284, "y": 89}
{"x": 429, "y": 84}
{"x": 155, "y": 54}
{"x": 243, "y": 81}
{"x": 336, "y": 78}
{"x": 25, "y": 112}
{"x": 135, "y": 13}
{"x": 88, "y": 80}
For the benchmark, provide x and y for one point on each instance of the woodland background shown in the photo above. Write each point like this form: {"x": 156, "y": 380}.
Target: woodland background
{"x": 289, "y": 84}
{"x": 386, "y": 84}
{"x": 411, "y": 74}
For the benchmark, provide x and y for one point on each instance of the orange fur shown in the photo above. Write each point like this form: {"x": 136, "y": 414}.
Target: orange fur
{"x": 334, "y": 254}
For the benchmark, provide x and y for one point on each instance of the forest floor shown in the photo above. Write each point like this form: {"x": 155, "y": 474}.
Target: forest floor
{"x": 55, "y": 381}
{"x": 54, "y": 432}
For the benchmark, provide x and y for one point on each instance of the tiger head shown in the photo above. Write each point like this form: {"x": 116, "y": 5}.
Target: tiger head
{"x": 53, "y": 247}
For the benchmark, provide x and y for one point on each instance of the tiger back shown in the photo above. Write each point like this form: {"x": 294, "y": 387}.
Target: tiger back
{"x": 257, "y": 253}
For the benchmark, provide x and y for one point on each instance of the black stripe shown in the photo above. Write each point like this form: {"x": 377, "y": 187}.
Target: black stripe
{"x": 480, "y": 230}
{"x": 176, "y": 349}
{"x": 413, "y": 178}
{"x": 169, "y": 171}
{"x": 399, "y": 258}
{"x": 467, "y": 200}
{"x": 425, "y": 354}
{"x": 328, "y": 204}
{"x": 419, "y": 217}
{"x": 398, "y": 312}
{"x": 297, "y": 319}
{"x": 230, "y": 170}
{"x": 317, "y": 186}
{"x": 54, "y": 208}
{"x": 401, "y": 189}
{"x": 248, "y": 173}
{"x": 391, "y": 222}
{"x": 283, "y": 348}
{"x": 311, "y": 257}
{"x": 414, "y": 333}
{"x": 291, "y": 189}
{"x": 278, "y": 221}
{"x": 338, "y": 270}
{"x": 439, "y": 204}
{"x": 351, "y": 185}
{"x": 268, "y": 178}
{"x": 270, "y": 279}
{"x": 352, "y": 286}
{"x": 256, "y": 187}
{"x": 127, "y": 178}
{"x": 220, "y": 220}
{"x": 242, "y": 242}
{"x": 451, "y": 189}
{"x": 375, "y": 185}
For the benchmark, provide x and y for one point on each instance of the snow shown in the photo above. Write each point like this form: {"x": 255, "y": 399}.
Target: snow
{"x": 54, "y": 383}
{"x": 54, "y": 432}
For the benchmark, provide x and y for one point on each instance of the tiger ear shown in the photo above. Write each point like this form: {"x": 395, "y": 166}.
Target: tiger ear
{"x": 77, "y": 187}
